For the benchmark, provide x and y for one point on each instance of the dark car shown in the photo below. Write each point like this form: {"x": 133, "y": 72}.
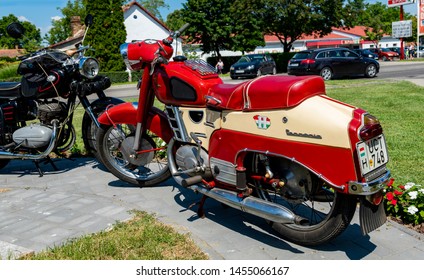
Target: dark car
{"x": 366, "y": 53}
{"x": 332, "y": 62}
{"x": 253, "y": 65}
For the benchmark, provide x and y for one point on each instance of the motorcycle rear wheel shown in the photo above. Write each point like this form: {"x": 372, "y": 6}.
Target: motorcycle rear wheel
{"x": 325, "y": 213}
{"x": 149, "y": 168}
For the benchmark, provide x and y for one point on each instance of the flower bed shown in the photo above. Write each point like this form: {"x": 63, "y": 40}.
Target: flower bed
{"x": 405, "y": 204}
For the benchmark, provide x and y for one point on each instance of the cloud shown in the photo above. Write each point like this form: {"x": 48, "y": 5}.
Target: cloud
{"x": 22, "y": 18}
{"x": 56, "y": 18}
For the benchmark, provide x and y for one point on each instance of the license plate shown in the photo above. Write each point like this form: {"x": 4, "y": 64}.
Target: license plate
{"x": 239, "y": 71}
{"x": 294, "y": 64}
{"x": 372, "y": 154}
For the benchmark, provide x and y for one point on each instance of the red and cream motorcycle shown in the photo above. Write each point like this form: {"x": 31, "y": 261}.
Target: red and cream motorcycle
{"x": 276, "y": 146}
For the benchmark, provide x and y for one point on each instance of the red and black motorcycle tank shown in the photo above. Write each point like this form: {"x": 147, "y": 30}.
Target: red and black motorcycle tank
{"x": 185, "y": 82}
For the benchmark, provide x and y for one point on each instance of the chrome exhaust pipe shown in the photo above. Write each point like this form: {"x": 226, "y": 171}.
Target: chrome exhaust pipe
{"x": 52, "y": 144}
{"x": 252, "y": 205}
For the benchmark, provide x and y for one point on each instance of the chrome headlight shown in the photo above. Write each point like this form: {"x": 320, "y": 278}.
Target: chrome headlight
{"x": 89, "y": 67}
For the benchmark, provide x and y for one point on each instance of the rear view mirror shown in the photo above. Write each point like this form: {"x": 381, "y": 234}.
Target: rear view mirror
{"x": 88, "y": 20}
{"x": 15, "y": 30}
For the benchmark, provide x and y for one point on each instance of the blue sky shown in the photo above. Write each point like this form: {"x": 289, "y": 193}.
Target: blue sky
{"x": 41, "y": 12}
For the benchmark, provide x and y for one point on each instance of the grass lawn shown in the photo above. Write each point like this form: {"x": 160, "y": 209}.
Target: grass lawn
{"x": 399, "y": 107}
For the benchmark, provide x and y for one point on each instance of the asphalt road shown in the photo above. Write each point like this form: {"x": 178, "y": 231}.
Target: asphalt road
{"x": 399, "y": 70}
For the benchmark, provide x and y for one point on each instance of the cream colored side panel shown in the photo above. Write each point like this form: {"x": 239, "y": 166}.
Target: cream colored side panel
{"x": 317, "y": 120}
{"x": 211, "y": 121}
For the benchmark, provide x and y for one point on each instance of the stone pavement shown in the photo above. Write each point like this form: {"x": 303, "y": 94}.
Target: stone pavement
{"x": 81, "y": 198}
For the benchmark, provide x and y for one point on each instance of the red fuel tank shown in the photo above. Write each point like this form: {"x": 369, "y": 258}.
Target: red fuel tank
{"x": 185, "y": 83}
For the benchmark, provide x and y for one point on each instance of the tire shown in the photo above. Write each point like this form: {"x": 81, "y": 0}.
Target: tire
{"x": 147, "y": 169}
{"x": 371, "y": 71}
{"x": 89, "y": 129}
{"x": 326, "y": 73}
{"x": 322, "y": 213}
{"x": 384, "y": 58}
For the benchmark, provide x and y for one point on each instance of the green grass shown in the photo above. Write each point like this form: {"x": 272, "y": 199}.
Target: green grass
{"x": 9, "y": 72}
{"x": 141, "y": 238}
{"x": 399, "y": 107}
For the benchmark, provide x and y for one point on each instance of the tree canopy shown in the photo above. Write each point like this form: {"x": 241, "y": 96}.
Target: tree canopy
{"x": 61, "y": 28}
{"x": 107, "y": 33}
{"x": 219, "y": 25}
{"x": 31, "y": 40}
{"x": 153, "y": 6}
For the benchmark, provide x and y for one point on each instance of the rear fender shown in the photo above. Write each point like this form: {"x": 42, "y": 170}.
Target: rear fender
{"x": 126, "y": 113}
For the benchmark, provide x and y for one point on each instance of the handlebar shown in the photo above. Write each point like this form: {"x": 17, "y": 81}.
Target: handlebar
{"x": 181, "y": 30}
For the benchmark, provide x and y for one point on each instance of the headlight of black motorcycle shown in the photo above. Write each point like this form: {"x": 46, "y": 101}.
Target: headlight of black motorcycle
{"x": 89, "y": 67}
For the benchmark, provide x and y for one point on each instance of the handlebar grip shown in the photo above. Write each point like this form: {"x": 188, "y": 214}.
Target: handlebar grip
{"x": 182, "y": 29}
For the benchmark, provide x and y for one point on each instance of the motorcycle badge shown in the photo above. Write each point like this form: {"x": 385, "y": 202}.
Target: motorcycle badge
{"x": 262, "y": 122}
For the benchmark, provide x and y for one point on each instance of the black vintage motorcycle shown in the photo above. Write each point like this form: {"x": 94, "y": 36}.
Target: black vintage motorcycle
{"x": 36, "y": 114}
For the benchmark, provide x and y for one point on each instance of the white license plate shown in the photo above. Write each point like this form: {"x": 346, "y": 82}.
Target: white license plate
{"x": 294, "y": 64}
{"x": 239, "y": 71}
{"x": 372, "y": 154}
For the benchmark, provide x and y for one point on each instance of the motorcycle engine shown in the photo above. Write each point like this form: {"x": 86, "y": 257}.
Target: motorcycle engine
{"x": 33, "y": 136}
{"x": 50, "y": 110}
{"x": 186, "y": 158}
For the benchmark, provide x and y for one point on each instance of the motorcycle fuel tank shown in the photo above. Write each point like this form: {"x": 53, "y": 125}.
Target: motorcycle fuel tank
{"x": 33, "y": 136}
{"x": 185, "y": 83}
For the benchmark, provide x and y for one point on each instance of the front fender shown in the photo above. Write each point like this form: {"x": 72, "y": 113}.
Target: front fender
{"x": 126, "y": 113}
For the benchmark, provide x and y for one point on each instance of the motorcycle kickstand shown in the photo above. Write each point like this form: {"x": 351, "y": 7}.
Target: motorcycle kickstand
{"x": 201, "y": 203}
{"x": 45, "y": 160}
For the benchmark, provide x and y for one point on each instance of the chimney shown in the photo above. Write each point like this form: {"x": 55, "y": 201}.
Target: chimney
{"x": 76, "y": 25}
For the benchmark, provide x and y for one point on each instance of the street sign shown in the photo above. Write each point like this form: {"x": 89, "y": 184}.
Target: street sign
{"x": 402, "y": 29}
{"x": 394, "y": 3}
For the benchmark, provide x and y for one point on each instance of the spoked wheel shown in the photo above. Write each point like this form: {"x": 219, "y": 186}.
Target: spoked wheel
{"x": 322, "y": 213}
{"x": 149, "y": 167}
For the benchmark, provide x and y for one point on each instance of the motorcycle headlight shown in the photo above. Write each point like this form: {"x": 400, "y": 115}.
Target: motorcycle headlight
{"x": 89, "y": 67}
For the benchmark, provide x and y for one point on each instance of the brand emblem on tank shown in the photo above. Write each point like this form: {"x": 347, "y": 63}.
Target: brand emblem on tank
{"x": 262, "y": 122}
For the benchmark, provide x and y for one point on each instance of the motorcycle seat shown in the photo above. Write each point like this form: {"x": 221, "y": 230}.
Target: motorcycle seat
{"x": 265, "y": 93}
{"x": 10, "y": 90}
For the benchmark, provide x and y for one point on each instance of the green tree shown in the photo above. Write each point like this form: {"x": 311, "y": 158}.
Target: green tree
{"x": 247, "y": 33}
{"x": 211, "y": 24}
{"x": 378, "y": 19}
{"x": 289, "y": 20}
{"x": 31, "y": 41}
{"x": 175, "y": 20}
{"x": 153, "y": 6}
{"x": 107, "y": 33}
{"x": 61, "y": 29}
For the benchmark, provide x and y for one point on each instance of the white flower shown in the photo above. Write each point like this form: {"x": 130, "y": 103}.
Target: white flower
{"x": 413, "y": 195}
{"x": 412, "y": 209}
{"x": 421, "y": 190}
{"x": 409, "y": 185}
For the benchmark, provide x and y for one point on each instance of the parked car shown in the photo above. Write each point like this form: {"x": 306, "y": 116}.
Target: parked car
{"x": 332, "y": 62}
{"x": 253, "y": 65}
{"x": 366, "y": 53}
{"x": 385, "y": 54}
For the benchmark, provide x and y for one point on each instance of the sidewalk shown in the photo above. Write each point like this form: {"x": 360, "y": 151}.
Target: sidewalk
{"x": 82, "y": 198}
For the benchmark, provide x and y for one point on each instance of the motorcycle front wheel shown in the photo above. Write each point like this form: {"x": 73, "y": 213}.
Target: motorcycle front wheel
{"x": 323, "y": 213}
{"x": 150, "y": 165}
